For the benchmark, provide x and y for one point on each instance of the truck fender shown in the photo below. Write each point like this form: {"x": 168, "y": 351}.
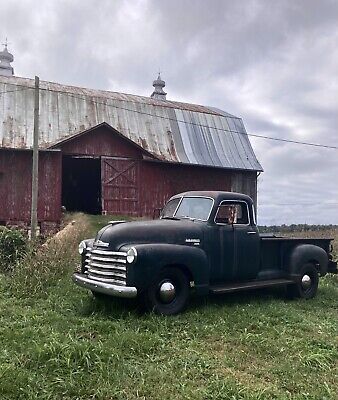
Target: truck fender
{"x": 152, "y": 257}
{"x": 308, "y": 253}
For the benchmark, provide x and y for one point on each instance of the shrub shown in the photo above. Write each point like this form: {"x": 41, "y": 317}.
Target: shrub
{"x": 44, "y": 265}
{"x": 13, "y": 246}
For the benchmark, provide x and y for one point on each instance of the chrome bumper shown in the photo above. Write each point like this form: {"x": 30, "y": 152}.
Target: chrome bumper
{"x": 105, "y": 288}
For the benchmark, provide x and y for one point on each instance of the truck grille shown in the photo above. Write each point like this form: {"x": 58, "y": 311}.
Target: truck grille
{"x": 106, "y": 266}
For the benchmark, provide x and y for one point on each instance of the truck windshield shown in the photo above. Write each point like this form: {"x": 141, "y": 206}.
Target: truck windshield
{"x": 189, "y": 207}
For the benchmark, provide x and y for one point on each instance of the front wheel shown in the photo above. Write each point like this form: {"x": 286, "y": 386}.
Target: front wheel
{"x": 169, "y": 293}
{"x": 307, "y": 285}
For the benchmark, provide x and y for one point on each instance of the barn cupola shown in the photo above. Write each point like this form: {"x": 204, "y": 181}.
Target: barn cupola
{"x": 159, "y": 93}
{"x": 5, "y": 62}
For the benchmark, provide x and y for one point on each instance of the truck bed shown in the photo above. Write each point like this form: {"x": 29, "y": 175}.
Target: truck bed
{"x": 275, "y": 248}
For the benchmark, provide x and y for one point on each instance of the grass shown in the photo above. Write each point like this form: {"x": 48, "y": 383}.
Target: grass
{"x": 63, "y": 344}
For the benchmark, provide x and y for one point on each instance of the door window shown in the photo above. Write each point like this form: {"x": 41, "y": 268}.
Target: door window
{"x": 230, "y": 213}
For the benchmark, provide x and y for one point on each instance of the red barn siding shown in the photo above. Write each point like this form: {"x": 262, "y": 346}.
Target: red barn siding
{"x": 160, "y": 181}
{"x": 101, "y": 142}
{"x": 155, "y": 182}
{"x": 15, "y": 187}
{"x": 130, "y": 184}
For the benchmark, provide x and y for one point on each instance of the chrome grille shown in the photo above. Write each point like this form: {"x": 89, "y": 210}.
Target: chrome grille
{"x": 106, "y": 266}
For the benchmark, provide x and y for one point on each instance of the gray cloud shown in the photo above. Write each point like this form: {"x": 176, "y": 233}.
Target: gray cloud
{"x": 272, "y": 63}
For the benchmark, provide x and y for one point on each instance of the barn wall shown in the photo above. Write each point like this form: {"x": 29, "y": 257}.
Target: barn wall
{"x": 155, "y": 182}
{"x": 161, "y": 181}
{"x": 245, "y": 182}
{"x": 15, "y": 188}
{"x": 101, "y": 142}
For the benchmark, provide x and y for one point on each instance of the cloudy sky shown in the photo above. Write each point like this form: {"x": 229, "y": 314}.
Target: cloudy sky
{"x": 273, "y": 63}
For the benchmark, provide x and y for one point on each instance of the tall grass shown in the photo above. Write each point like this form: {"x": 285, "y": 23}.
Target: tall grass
{"x": 67, "y": 345}
{"x": 44, "y": 265}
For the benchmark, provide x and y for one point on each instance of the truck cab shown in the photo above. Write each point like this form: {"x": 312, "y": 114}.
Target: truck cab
{"x": 206, "y": 242}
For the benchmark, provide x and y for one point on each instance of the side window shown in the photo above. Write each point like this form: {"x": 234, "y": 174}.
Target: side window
{"x": 232, "y": 213}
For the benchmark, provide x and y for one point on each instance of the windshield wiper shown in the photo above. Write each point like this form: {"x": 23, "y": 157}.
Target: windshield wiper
{"x": 173, "y": 218}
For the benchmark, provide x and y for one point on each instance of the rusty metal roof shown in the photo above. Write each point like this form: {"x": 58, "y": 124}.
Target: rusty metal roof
{"x": 171, "y": 131}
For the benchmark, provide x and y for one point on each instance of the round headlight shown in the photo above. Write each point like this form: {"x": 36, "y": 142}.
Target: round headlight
{"x": 131, "y": 255}
{"x": 82, "y": 247}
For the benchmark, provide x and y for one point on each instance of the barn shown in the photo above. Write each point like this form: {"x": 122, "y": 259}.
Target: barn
{"x": 114, "y": 153}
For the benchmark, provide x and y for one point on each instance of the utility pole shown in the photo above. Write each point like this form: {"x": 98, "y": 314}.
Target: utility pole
{"x": 35, "y": 168}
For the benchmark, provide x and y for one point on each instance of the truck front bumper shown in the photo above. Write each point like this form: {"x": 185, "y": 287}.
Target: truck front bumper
{"x": 105, "y": 288}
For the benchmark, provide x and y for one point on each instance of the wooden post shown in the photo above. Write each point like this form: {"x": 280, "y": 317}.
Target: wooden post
{"x": 35, "y": 167}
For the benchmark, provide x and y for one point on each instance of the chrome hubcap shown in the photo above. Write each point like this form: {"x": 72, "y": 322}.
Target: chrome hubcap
{"x": 167, "y": 292}
{"x": 306, "y": 282}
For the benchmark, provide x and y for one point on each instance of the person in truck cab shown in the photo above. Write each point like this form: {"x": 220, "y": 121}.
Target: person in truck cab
{"x": 227, "y": 214}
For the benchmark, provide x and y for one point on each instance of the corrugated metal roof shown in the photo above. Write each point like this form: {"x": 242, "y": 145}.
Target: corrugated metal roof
{"x": 171, "y": 131}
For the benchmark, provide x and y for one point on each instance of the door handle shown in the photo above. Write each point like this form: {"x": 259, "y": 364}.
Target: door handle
{"x": 251, "y": 233}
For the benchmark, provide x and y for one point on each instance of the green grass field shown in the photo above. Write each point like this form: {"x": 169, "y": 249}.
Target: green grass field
{"x": 60, "y": 343}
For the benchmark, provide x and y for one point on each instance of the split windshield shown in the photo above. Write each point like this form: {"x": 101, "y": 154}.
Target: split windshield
{"x": 188, "y": 207}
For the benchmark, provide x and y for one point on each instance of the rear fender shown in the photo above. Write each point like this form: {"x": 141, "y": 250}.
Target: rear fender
{"x": 308, "y": 253}
{"x": 152, "y": 257}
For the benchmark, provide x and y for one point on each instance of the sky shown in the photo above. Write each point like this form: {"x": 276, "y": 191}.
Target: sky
{"x": 272, "y": 63}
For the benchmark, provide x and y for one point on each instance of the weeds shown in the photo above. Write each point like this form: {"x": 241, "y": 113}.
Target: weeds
{"x": 13, "y": 246}
{"x": 245, "y": 346}
{"x": 44, "y": 265}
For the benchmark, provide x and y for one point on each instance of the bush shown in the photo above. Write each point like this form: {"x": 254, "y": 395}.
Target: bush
{"x": 44, "y": 265}
{"x": 13, "y": 246}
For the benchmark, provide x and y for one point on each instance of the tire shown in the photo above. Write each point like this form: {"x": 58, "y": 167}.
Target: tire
{"x": 307, "y": 285}
{"x": 174, "y": 296}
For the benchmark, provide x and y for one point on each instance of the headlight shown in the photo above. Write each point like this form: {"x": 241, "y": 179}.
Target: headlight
{"x": 82, "y": 247}
{"x": 131, "y": 255}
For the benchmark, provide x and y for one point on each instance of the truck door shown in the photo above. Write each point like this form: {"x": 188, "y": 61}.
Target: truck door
{"x": 239, "y": 242}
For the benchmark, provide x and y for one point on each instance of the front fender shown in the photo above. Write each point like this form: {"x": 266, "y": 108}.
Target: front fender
{"x": 152, "y": 257}
{"x": 308, "y": 253}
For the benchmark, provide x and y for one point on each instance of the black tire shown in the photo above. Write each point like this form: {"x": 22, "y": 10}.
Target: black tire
{"x": 153, "y": 299}
{"x": 307, "y": 285}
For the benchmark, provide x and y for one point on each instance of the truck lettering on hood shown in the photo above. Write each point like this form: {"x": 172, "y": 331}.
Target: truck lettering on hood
{"x": 195, "y": 242}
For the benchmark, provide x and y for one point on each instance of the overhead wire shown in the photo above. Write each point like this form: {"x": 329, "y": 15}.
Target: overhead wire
{"x": 178, "y": 120}
{"x": 194, "y": 123}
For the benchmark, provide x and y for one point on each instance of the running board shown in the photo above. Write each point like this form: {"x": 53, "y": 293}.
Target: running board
{"x": 234, "y": 287}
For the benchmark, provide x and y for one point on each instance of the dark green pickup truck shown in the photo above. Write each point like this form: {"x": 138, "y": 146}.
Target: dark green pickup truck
{"x": 207, "y": 242}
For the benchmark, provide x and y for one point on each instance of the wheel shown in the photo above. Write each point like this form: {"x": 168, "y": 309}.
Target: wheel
{"x": 169, "y": 293}
{"x": 307, "y": 285}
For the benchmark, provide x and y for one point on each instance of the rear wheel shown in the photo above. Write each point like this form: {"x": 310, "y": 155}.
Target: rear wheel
{"x": 169, "y": 293}
{"x": 307, "y": 284}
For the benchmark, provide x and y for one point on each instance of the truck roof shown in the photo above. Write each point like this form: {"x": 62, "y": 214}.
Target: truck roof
{"x": 216, "y": 195}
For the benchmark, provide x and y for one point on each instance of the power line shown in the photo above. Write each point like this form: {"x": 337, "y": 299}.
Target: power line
{"x": 182, "y": 121}
{"x": 196, "y": 124}
{"x": 301, "y": 204}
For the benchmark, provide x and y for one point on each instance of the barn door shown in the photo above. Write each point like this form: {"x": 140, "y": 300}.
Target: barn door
{"x": 120, "y": 194}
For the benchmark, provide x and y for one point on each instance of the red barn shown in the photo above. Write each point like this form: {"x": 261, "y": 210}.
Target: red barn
{"x": 114, "y": 153}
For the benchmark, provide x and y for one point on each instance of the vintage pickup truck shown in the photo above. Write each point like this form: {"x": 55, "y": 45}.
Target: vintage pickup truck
{"x": 206, "y": 242}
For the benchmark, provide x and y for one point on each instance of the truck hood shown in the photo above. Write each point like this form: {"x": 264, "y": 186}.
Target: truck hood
{"x": 158, "y": 231}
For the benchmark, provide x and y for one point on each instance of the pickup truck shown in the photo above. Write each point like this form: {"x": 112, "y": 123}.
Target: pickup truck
{"x": 205, "y": 242}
